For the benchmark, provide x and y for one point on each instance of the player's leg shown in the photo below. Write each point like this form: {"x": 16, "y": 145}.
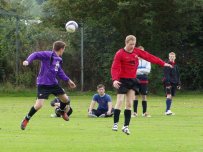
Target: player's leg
{"x": 55, "y": 104}
{"x": 117, "y": 110}
{"x": 135, "y": 104}
{"x": 100, "y": 113}
{"x": 42, "y": 93}
{"x": 33, "y": 110}
{"x": 170, "y": 97}
{"x": 127, "y": 112}
{"x": 168, "y": 91}
{"x": 64, "y": 100}
{"x": 144, "y": 91}
{"x": 69, "y": 110}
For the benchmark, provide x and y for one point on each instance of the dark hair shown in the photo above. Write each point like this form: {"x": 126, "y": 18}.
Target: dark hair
{"x": 58, "y": 45}
{"x": 100, "y": 86}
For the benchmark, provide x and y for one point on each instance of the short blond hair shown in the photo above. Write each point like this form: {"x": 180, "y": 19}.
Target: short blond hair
{"x": 172, "y": 53}
{"x": 129, "y": 38}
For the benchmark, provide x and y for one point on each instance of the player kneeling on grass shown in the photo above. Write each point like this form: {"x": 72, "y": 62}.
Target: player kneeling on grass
{"x": 56, "y": 104}
{"x": 104, "y": 104}
{"x": 47, "y": 83}
{"x": 171, "y": 81}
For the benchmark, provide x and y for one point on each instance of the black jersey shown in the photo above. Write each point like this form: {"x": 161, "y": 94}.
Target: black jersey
{"x": 171, "y": 75}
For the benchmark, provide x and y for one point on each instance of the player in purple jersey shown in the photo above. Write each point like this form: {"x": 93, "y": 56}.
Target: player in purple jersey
{"x": 104, "y": 108}
{"x": 47, "y": 83}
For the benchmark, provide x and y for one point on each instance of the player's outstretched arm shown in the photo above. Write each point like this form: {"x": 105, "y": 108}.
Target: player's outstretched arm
{"x": 25, "y": 63}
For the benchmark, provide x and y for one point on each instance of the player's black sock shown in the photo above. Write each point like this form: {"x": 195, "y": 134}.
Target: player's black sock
{"x": 135, "y": 104}
{"x": 116, "y": 115}
{"x": 168, "y": 104}
{"x": 127, "y": 114}
{"x": 144, "y": 106}
{"x": 31, "y": 113}
{"x": 62, "y": 105}
{"x": 70, "y": 111}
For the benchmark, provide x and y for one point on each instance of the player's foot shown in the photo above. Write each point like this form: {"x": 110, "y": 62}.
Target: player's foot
{"x": 134, "y": 114}
{"x": 24, "y": 124}
{"x": 102, "y": 115}
{"x": 169, "y": 112}
{"x": 146, "y": 115}
{"x": 115, "y": 127}
{"x": 126, "y": 130}
{"x": 92, "y": 116}
{"x": 65, "y": 116}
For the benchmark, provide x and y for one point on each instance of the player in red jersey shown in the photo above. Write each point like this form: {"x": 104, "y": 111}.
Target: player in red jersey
{"x": 123, "y": 72}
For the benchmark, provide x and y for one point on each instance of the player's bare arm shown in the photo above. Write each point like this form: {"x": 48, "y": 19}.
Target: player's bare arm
{"x": 71, "y": 84}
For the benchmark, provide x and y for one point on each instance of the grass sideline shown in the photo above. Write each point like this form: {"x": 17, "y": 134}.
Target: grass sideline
{"x": 182, "y": 132}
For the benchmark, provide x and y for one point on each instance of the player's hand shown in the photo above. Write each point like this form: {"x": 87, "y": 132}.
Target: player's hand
{"x": 178, "y": 87}
{"x": 108, "y": 113}
{"x": 168, "y": 65}
{"x": 25, "y": 63}
{"x": 71, "y": 84}
{"x": 116, "y": 84}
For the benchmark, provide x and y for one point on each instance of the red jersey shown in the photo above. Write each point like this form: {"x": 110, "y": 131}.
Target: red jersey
{"x": 125, "y": 64}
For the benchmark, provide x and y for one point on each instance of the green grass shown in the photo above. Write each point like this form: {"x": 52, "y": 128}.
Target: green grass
{"x": 180, "y": 133}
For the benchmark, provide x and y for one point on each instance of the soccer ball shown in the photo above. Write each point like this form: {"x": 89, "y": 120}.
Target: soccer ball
{"x": 71, "y": 26}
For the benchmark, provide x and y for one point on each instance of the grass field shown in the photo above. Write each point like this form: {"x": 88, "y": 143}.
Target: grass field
{"x": 180, "y": 133}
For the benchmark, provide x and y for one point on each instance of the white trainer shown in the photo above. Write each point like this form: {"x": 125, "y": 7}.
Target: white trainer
{"x": 134, "y": 115}
{"x": 115, "y": 127}
{"x": 146, "y": 115}
{"x": 126, "y": 130}
{"x": 102, "y": 116}
{"x": 169, "y": 112}
{"x": 92, "y": 116}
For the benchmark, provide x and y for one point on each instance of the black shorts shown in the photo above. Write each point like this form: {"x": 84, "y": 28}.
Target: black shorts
{"x": 43, "y": 91}
{"x": 127, "y": 84}
{"x": 171, "y": 90}
{"x": 143, "y": 89}
{"x": 99, "y": 112}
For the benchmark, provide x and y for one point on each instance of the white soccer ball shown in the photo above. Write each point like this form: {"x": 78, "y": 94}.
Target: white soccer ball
{"x": 71, "y": 26}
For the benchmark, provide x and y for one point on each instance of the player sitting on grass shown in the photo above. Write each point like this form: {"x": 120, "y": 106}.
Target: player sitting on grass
{"x": 104, "y": 104}
{"x": 56, "y": 104}
{"x": 171, "y": 81}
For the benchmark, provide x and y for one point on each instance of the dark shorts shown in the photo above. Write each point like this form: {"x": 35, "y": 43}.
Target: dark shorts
{"x": 99, "y": 112}
{"x": 127, "y": 84}
{"x": 143, "y": 89}
{"x": 43, "y": 91}
{"x": 171, "y": 90}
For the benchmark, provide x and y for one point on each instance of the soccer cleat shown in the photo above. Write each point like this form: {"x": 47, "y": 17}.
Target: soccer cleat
{"x": 24, "y": 124}
{"x": 115, "y": 127}
{"x": 92, "y": 116}
{"x": 126, "y": 130}
{"x": 146, "y": 115}
{"x": 102, "y": 116}
{"x": 134, "y": 114}
{"x": 169, "y": 112}
{"x": 65, "y": 116}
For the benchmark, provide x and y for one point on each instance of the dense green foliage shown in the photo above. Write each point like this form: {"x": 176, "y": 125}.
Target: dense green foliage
{"x": 180, "y": 133}
{"x": 160, "y": 26}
